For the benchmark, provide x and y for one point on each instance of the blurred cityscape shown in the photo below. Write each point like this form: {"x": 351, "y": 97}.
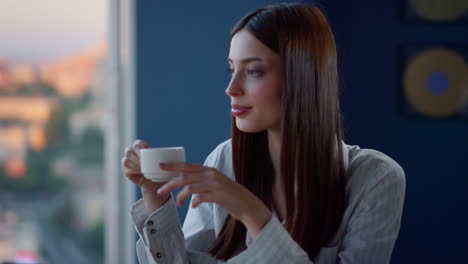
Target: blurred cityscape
{"x": 52, "y": 125}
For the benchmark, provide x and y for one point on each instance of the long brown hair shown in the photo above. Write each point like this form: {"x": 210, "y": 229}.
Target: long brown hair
{"x": 311, "y": 168}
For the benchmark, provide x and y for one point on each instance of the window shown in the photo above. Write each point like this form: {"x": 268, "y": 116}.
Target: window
{"x": 66, "y": 92}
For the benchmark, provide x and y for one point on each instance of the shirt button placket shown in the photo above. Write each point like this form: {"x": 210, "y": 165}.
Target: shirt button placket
{"x": 153, "y": 231}
{"x": 151, "y": 223}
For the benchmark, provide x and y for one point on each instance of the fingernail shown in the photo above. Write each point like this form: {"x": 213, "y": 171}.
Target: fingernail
{"x": 160, "y": 190}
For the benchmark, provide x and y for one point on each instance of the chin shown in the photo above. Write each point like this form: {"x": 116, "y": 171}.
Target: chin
{"x": 248, "y": 127}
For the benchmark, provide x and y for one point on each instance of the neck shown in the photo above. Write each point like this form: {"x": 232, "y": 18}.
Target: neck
{"x": 274, "y": 146}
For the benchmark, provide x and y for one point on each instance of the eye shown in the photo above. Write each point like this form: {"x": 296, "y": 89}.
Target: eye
{"x": 254, "y": 72}
{"x": 230, "y": 70}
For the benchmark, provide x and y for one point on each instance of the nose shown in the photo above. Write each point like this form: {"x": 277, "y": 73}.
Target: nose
{"x": 234, "y": 89}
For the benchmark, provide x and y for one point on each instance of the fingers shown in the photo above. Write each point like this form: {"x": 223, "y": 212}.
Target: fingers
{"x": 179, "y": 181}
{"x": 129, "y": 166}
{"x": 202, "y": 198}
{"x": 197, "y": 179}
{"x": 139, "y": 144}
{"x": 136, "y": 178}
{"x": 194, "y": 188}
{"x": 130, "y": 162}
{"x": 132, "y": 156}
{"x": 182, "y": 167}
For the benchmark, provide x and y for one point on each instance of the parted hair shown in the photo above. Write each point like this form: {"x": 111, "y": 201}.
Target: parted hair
{"x": 311, "y": 165}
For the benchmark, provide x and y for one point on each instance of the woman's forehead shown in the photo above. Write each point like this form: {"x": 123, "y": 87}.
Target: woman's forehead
{"x": 245, "y": 47}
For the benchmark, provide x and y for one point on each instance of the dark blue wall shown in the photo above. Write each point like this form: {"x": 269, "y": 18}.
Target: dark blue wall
{"x": 434, "y": 153}
{"x": 182, "y": 48}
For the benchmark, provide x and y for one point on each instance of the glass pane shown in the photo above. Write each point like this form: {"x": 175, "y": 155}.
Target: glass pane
{"x": 52, "y": 129}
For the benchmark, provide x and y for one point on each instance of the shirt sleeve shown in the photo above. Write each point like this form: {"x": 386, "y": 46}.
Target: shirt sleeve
{"x": 374, "y": 225}
{"x": 370, "y": 233}
{"x": 272, "y": 245}
{"x": 161, "y": 239}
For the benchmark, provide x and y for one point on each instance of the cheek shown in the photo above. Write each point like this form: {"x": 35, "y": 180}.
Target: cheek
{"x": 268, "y": 94}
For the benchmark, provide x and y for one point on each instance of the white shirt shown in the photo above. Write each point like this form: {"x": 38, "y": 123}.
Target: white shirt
{"x": 375, "y": 188}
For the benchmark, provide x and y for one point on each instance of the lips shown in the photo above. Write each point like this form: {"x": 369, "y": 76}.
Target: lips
{"x": 238, "y": 110}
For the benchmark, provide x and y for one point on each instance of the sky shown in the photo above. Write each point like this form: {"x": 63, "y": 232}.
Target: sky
{"x": 44, "y": 29}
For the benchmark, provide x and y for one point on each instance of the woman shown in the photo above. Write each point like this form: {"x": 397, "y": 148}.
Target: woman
{"x": 285, "y": 188}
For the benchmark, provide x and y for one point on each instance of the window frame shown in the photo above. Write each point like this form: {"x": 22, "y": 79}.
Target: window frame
{"x": 120, "y": 236}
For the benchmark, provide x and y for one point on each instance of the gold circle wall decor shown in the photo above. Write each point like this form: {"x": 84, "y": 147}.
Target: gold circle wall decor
{"x": 436, "y": 82}
{"x": 440, "y": 10}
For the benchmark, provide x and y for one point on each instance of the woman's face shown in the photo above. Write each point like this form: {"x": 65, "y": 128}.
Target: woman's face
{"x": 255, "y": 86}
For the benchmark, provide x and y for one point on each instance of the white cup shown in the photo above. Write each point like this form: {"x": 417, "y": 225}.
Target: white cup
{"x": 152, "y": 157}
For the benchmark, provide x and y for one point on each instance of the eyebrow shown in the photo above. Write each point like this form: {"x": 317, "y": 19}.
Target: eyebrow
{"x": 247, "y": 60}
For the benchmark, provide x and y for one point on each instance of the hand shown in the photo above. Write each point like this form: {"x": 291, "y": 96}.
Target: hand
{"x": 131, "y": 169}
{"x": 210, "y": 185}
{"x": 131, "y": 163}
